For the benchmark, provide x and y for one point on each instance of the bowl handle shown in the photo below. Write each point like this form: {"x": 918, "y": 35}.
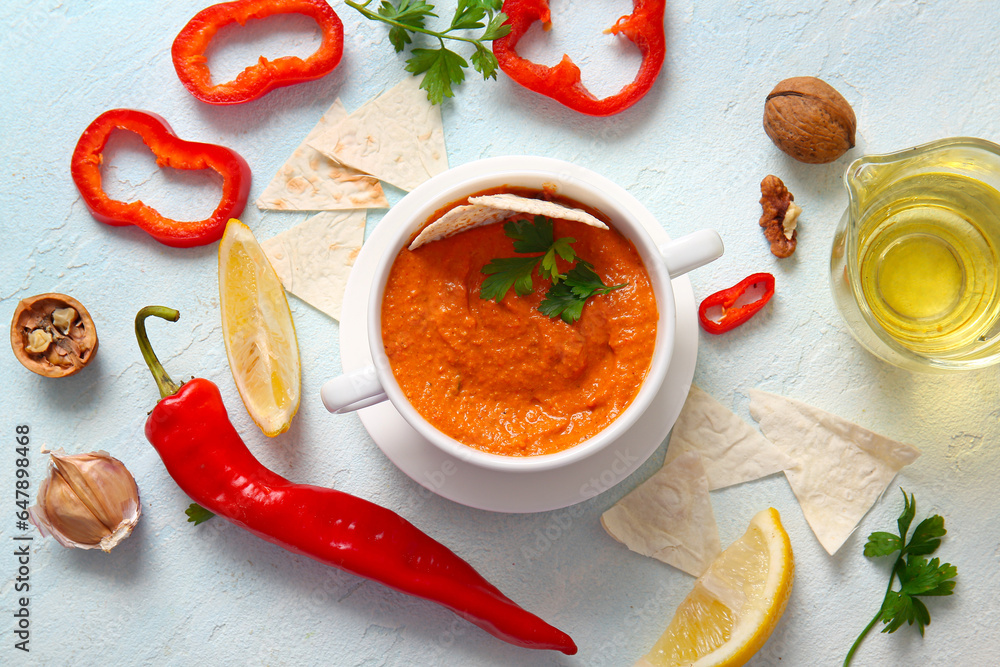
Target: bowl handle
{"x": 692, "y": 251}
{"x": 352, "y": 391}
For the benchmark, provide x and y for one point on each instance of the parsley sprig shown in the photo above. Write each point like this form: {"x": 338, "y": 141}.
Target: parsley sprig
{"x": 444, "y": 68}
{"x": 917, "y": 576}
{"x": 569, "y": 291}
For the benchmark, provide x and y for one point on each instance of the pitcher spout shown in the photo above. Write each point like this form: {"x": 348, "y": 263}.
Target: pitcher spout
{"x": 862, "y": 178}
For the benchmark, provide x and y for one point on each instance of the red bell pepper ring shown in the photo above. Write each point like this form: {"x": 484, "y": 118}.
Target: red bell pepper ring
{"x": 734, "y": 315}
{"x": 188, "y": 50}
{"x": 170, "y": 151}
{"x": 643, "y": 27}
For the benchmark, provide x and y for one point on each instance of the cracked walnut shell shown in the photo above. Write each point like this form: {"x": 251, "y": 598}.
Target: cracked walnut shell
{"x": 53, "y": 335}
{"x": 809, "y": 120}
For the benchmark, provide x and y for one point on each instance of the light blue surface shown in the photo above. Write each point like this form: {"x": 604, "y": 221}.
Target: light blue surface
{"x": 692, "y": 151}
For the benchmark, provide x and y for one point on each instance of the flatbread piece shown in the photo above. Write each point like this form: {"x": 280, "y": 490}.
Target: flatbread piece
{"x": 840, "y": 468}
{"x": 731, "y": 450}
{"x": 397, "y": 137}
{"x": 313, "y": 259}
{"x": 311, "y": 181}
{"x": 669, "y": 517}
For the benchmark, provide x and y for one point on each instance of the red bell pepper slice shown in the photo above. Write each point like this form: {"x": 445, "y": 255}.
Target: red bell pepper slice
{"x": 643, "y": 27}
{"x": 733, "y": 317}
{"x": 188, "y": 50}
{"x": 170, "y": 151}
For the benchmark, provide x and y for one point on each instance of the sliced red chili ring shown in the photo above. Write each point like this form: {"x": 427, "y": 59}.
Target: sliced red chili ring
{"x": 734, "y": 315}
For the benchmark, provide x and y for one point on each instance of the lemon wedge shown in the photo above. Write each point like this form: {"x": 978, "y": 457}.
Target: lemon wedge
{"x": 258, "y": 330}
{"x": 735, "y": 604}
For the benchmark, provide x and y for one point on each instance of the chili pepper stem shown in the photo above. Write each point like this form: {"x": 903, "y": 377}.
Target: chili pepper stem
{"x": 166, "y": 386}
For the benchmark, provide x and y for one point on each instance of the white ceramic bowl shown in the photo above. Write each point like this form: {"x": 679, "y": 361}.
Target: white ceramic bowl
{"x": 376, "y": 383}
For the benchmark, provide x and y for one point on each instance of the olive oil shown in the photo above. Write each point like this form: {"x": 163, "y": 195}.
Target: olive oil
{"x": 928, "y": 262}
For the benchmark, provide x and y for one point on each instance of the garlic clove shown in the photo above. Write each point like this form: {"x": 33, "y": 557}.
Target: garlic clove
{"x": 88, "y": 501}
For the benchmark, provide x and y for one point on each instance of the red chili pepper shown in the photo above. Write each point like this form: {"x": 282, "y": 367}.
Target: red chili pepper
{"x": 170, "y": 151}
{"x": 643, "y": 27}
{"x": 188, "y": 50}
{"x": 204, "y": 454}
{"x": 733, "y": 317}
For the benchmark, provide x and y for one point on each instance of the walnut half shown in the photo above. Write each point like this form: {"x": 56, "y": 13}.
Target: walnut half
{"x": 779, "y": 216}
{"x": 53, "y": 335}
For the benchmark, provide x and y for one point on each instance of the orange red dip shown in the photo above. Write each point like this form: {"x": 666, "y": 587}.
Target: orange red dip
{"x": 504, "y": 378}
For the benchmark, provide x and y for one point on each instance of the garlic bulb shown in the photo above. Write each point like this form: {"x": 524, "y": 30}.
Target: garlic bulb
{"x": 87, "y": 501}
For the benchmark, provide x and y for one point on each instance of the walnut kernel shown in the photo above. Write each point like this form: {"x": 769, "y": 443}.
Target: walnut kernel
{"x": 779, "y": 216}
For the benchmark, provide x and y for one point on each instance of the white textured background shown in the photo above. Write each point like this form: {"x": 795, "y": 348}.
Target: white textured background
{"x": 692, "y": 151}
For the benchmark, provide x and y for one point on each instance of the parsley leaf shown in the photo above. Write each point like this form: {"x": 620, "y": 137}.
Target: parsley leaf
{"x": 882, "y": 544}
{"x": 506, "y": 272}
{"x": 926, "y": 536}
{"x": 408, "y": 13}
{"x": 197, "y": 514}
{"x": 497, "y": 27}
{"x": 468, "y": 16}
{"x": 586, "y": 283}
{"x": 917, "y": 575}
{"x": 485, "y": 62}
{"x": 442, "y": 67}
{"x": 530, "y": 236}
{"x": 927, "y": 577}
{"x": 568, "y": 293}
{"x": 561, "y": 301}
{"x": 566, "y": 299}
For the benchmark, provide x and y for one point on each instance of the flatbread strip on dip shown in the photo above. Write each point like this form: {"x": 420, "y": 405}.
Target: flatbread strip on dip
{"x": 549, "y": 209}
{"x": 489, "y": 209}
{"x": 458, "y": 219}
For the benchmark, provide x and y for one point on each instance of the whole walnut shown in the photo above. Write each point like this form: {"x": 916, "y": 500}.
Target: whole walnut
{"x": 809, "y": 120}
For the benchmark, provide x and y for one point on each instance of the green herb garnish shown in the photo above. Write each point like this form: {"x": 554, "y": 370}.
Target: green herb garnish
{"x": 569, "y": 291}
{"x": 197, "y": 514}
{"x": 566, "y": 298}
{"x": 444, "y": 68}
{"x": 917, "y": 575}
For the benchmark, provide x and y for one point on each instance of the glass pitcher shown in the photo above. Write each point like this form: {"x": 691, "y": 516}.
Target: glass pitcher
{"x": 914, "y": 266}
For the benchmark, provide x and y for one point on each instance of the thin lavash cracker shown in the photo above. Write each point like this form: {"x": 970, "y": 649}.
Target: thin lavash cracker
{"x": 398, "y": 137}
{"x": 669, "y": 517}
{"x": 314, "y": 258}
{"x": 458, "y": 219}
{"x": 731, "y": 449}
{"x": 311, "y": 181}
{"x": 840, "y": 468}
{"x": 549, "y": 209}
